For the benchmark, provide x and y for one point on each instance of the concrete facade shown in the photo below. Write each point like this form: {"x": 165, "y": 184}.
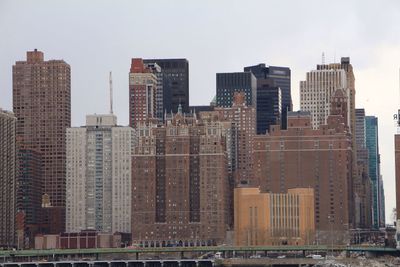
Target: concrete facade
{"x": 99, "y": 176}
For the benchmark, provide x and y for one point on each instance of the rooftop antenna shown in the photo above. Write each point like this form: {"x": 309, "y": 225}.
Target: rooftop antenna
{"x": 111, "y": 94}
{"x": 323, "y": 58}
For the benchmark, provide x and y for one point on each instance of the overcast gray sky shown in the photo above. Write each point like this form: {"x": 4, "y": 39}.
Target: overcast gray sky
{"x": 96, "y": 36}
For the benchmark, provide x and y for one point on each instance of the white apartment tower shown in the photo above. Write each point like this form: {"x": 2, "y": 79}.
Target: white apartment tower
{"x": 99, "y": 176}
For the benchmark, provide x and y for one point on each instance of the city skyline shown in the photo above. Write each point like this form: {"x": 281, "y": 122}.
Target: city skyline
{"x": 375, "y": 62}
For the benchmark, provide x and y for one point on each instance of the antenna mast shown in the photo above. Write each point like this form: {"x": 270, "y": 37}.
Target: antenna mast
{"x": 323, "y": 58}
{"x": 111, "y": 94}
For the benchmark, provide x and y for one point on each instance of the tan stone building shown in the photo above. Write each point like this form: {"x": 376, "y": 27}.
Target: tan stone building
{"x": 274, "y": 219}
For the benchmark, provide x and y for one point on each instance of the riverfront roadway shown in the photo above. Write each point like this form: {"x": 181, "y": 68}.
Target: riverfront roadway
{"x": 179, "y": 252}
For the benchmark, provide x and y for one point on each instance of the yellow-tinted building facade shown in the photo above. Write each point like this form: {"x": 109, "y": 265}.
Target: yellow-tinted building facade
{"x": 274, "y": 219}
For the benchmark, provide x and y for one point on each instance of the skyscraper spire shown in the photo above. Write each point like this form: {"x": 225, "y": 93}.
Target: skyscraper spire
{"x": 111, "y": 94}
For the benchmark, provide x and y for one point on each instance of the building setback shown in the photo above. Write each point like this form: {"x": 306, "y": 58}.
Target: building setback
{"x": 99, "y": 176}
{"x": 7, "y": 178}
{"x": 180, "y": 183}
{"x": 304, "y": 157}
{"x": 175, "y": 74}
{"x": 263, "y": 219}
{"x": 42, "y": 104}
{"x": 278, "y": 77}
{"x": 142, "y": 92}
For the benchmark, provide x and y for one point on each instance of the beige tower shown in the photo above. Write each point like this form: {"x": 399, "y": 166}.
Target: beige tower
{"x": 7, "y": 178}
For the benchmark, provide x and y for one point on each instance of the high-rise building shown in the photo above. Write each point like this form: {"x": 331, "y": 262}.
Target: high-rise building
{"x": 350, "y": 93}
{"x": 269, "y": 106}
{"x": 302, "y": 157}
{"x": 381, "y": 193}
{"x": 230, "y": 83}
{"x": 317, "y": 90}
{"x": 99, "y": 176}
{"x": 180, "y": 182}
{"x": 29, "y": 195}
{"x": 243, "y": 119}
{"x": 274, "y": 218}
{"x": 7, "y": 178}
{"x": 42, "y": 104}
{"x": 142, "y": 92}
{"x": 397, "y": 167}
{"x": 159, "y": 94}
{"x": 279, "y": 77}
{"x": 371, "y": 133}
{"x": 360, "y": 128}
{"x": 362, "y": 182}
{"x": 175, "y": 74}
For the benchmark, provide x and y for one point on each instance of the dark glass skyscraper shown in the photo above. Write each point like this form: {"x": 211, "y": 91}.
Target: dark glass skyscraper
{"x": 175, "y": 83}
{"x": 229, "y": 83}
{"x": 280, "y": 77}
{"x": 371, "y": 133}
{"x": 269, "y": 105}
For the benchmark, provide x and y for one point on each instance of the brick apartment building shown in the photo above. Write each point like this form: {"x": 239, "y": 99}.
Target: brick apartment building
{"x": 180, "y": 182}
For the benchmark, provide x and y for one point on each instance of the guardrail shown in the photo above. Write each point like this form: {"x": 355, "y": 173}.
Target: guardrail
{"x": 100, "y": 251}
